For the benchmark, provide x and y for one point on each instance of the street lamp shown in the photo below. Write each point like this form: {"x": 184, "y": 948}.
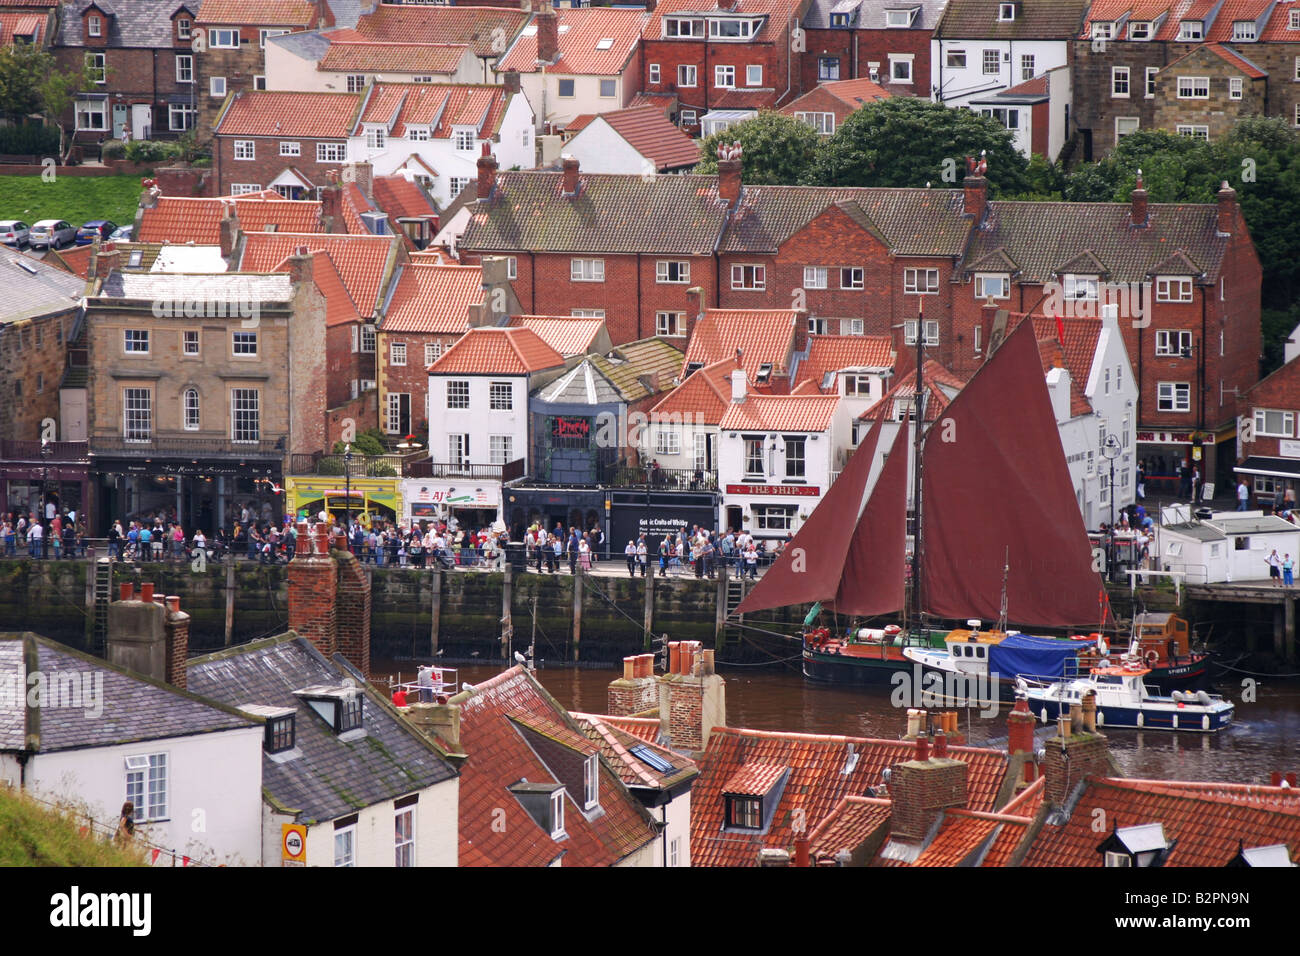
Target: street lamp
{"x": 46, "y": 451}
{"x": 1110, "y": 450}
{"x": 347, "y": 491}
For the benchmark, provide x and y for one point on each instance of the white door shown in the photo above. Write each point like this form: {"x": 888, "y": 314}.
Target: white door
{"x": 141, "y": 121}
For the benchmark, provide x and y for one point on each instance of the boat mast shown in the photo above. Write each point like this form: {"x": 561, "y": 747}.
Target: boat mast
{"x": 918, "y": 422}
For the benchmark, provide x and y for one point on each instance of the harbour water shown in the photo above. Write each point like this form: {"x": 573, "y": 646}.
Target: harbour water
{"x": 1264, "y": 737}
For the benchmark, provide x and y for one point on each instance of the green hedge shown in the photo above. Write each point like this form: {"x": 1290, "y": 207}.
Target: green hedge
{"x": 151, "y": 151}
{"x": 29, "y": 140}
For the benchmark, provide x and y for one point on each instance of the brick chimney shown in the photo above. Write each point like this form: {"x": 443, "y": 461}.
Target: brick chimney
{"x": 363, "y": 174}
{"x": 548, "y": 36}
{"x": 1074, "y": 753}
{"x": 1020, "y": 740}
{"x": 571, "y": 182}
{"x": 692, "y": 697}
{"x": 1138, "y": 215}
{"x": 636, "y": 691}
{"x": 331, "y": 208}
{"x": 149, "y": 634}
{"x": 353, "y": 614}
{"x": 176, "y": 633}
{"x": 922, "y": 788}
{"x": 439, "y": 722}
{"x": 510, "y": 81}
{"x": 487, "y": 172}
{"x": 1227, "y": 208}
{"x": 229, "y": 231}
{"x": 150, "y": 190}
{"x": 313, "y": 589}
{"x": 300, "y": 266}
{"x": 729, "y": 178}
{"x": 105, "y": 259}
{"x": 976, "y": 188}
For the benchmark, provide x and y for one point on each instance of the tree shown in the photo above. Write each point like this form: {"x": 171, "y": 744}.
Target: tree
{"x": 22, "y": 67}
{"x": 777, "y": 149}
{"x": 907, "y": 141}
{"x": 59, "y": 95}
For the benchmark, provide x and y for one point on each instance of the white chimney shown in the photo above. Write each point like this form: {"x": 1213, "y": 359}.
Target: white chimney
{"x": 738, "y": 385}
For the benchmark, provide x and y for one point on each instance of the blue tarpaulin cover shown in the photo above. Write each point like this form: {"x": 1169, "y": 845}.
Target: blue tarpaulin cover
{"x": 1031, "y": 656}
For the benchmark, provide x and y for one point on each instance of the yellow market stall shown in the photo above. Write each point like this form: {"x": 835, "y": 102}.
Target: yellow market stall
{"x": 369, "y": 499}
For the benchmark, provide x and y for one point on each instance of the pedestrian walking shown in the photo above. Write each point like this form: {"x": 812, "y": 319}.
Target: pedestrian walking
{"x": 630, "y": 553}
{"x": 642, "y": 553}
{"x": 1288, "y": 566}
{"x": 584, "y": 554}
{"x": 1274, "y": 567}
{"x": 1243, "y": 495}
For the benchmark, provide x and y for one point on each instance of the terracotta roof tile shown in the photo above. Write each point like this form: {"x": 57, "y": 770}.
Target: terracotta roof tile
{"x": 616, "y": 745}
{"x": 364, "y": 262}
{"x": 488, "y": 350}
{"x": 354, "y": 203}
{"x": 399, "y": 105}
{"x": 566, "y": 334}
{"x": 816, "y": 785}
{"x": 853, "y": 821}
{"x": 1220, "y": 30}
{"x": 840, "y": 97}
{"x": 339, "y": 307}
{"x": 1232, "y": 58}
{"x": 830, "y": 353}
{"x": 434, "y": 299}
{"x": 1278, "y": 28}
{"x": 1027, "y": 801}
{"x": 705, "y": 395}
{"x": 764, "y": 336}
{"x": 582, "y": 34}
{"x": 793, "y": 413}
{"x": 258, "y": 12}
{"x": 512, "y": 731}
{"x": 198, "y": 220}
{"x": 75, "y": 260}
{"x": 400, "y": 198}
{"x": 309, "y": 115}
{"x": 647, "y": 728}
{"x": 480, "y": 27}
{"x": 22, "y": 25}
{"x": 1076, "y": 353}
{"x": 652, "y": 134}
{"x": 372, "y": 56}
{"x": 1207, "y": 820}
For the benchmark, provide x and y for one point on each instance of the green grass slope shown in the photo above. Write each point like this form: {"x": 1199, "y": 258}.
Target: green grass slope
{"x": 77, "y": 199}
{"x": 34, "y": 834}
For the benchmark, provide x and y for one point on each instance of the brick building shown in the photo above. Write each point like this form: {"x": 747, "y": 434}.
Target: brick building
{"x": 826, "y": 107}
{"x": 142, "y": 52}
{"x": 230, "y": 45}
{"x": 489, "y": 31}
{"x": 862, "y": 40}
{"x": 1270, "y": 461}
{"x": 735, "y": 59}
{"x": 1234, "y": 85}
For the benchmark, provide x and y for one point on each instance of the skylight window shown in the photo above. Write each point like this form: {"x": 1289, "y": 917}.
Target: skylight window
{"x": 604, "y": 43}
{"x": 651, "y": 759}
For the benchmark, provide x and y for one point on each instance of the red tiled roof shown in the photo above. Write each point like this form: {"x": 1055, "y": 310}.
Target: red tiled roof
{"x": 434, "y": 299}
{"x": 1038, "y": 86}
{"x": 372, "y": 56}
{"x": 258, "y": 12}
{"x": 842, "y": 96}
{"x": 399, "y": 105}
{"x": 793, "y": 413}
{"x": 830, "y": 353}
{"x": 566, "y": 334}
{"x": 1278, "y": 28}
{"x": 1235, "y": 59}
{"x": 198, "y": 220}
{"x": 513, "y": 731}
{"x": 480, "y": 27}
{"x": 580, "y": 32}
{"x": 651, "y": 134}
{"x": 1146, "y": 11}
{"x": 616, "y": 746}
{"x": 1220, "y": 30}
{"x": 579, "y": 123}
{"x": 765, "y": 336}
{"x": 817, "y": 783}
{"x": 1027, "y": 801}
{"x": 14, "y": 24}
{"x": 848, "y": 826}
{"x": 1077, "y": 352}
{"x": 362, "y": 261}
{"x": 938, "y": 382}
{"x": 309, "y": 115}
{"x": 75, "y": 260}
{"x": 489, "y": 350}
{"x": 967, "y": 836}
{"x": 647, "y": 728}
{"x": 754, "y": 779}
{"x": 705, "y": 395}
{"x": 1208, "y": 821}
{"x": 339, "y": 307}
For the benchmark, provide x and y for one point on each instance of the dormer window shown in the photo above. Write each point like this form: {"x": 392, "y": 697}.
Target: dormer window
{"x": 764, "y": 373}
{"x": 683, "y": 27}
{"x": 94, "y": 25}
{"x": 1139, "y": 30}
{"x": 279, "y": 734}
{"x": 1191, "y": 30}
{"x": 899, "y": 19}
{"x": 1243, "y": 30}
{"x": 1103, "y": 31}
{"x": 752, "y": 794}
{"x": 183, "y": 28}
{"x": 1276, "y": 855}
{"x": 745, "y": 813}
{"x": 1144, "y": 845}
{"x": 342, "y": 708}
{"x": 839, "y": 19}
{"x": 1080, "y": 288}
{"x": 591, "y": 783}
{"x": 557, "y": 814}
{"x": 692, "y": 367}
{"x": 1006, "y": 11}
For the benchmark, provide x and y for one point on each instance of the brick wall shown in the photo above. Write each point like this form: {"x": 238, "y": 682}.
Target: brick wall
{"x": 32, "y": 360}
{"x": 1280, "y": 391}
{"x": 135, "y": 75}
{"x": 362, "y": 410}
{"x": 411, "y": 378}
{"x": 353, "y": 616}
{"x": 267, "y": 163}
{"x": 176, "y": 629}
{"x": 1085, "y": 755}
{"x": 313, "y": 592}
{"x": 920, "y": 790}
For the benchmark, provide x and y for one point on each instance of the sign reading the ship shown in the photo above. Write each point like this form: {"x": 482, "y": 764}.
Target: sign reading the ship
{"x": 789, "y": 491}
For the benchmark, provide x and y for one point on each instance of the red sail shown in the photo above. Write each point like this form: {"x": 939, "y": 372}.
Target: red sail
{"x": 995, "y": 485}
{"x": 873, "y": 578}
{"x": 809, "y": 568}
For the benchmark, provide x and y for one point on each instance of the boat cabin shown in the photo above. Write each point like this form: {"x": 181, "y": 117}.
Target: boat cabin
{"x": 968, "y": 647}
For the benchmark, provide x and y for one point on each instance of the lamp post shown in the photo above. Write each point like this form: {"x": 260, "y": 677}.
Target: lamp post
{"x": 1110, "y": 450}
{"x": 46, "y": 451}
{"x": 347, "y": 491}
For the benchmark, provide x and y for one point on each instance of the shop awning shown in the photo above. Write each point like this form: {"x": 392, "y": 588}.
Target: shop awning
{"x": 1271, "y": 467}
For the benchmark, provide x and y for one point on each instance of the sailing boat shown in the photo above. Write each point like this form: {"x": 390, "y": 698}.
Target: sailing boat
{"x": 1002, "y": 535}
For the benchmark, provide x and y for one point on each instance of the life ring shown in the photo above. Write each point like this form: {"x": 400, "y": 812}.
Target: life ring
{"x": 1152, "y": 657}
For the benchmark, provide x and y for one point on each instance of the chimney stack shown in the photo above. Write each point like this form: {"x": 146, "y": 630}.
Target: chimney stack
{"x": 730, "y": 185}
{"x": 300, "y": 266}
{"x": 510, "y": 81}
{"x": 176, "y": 632}
{"x": 1227, "y": 209}
{"x": 439, "y": 722}
{"x": 692, "y": 697}
{"x": 548, "y": 36}
{"x": 229, "y": 228}
{"x": 363, "y": 174}
{"x": 1090, "y": 712}
{"x": 976, "y": 188}
{"x": 331, "y": 208}
{"x": 636, "y": 691}
{"x": 801, "y": 849}
{"x": 313, "y": 591}
{"x": 105, "y": 259}
{"x": 1073, "y": 754}
{"x": 1138, "y": 215}
{"x": 148, "y": 636}
{"x": 738, "y": 385}
{"x": 571, "y": 182}
{"x": 487, "y": 172}
{"x": 149, "y": 193}
{"x": 922, "y": 788}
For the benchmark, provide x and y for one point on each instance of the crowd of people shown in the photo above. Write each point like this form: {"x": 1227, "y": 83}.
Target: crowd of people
{"x": 56, "y": 534}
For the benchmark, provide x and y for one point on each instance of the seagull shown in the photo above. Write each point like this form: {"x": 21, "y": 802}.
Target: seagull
{"x": 473, "y": 653}
{"x": 439, "y": 654}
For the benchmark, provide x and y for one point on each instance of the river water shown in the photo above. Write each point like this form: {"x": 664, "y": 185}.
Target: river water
{"x": 1264, "y": 737}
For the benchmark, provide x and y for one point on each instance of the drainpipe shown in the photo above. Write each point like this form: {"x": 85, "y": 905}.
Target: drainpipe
{"x": 663, "y": 816}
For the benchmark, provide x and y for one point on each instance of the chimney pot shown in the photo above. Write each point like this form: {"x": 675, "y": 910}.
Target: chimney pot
{"x": 631, "y": 668}
{"x": 173, "y": 602}
{"x": 126, "y": 591}
{"x": 941, "y": 743}
{"x": 922, "y": 747}
{"x": 146, "y": 592}
{"x": 801, "y": 850}
{"x": 674, "y": 657}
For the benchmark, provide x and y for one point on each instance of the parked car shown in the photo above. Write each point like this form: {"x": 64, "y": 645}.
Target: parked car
{"x": 13, "y": 232}
{"x": 51, "y": 234}
{"x": 122, "y": 234}
{"x": 95, "y": 229}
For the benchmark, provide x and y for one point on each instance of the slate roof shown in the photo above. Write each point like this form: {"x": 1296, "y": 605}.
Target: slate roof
{"x": 630, "y": 362}
{"x": 257, "y": 12}
{"x": 653, "y": 135}
{"x": 816, "y": 784}
{"x": 778, "y": 13}
{"x": 869, "y": 15}
{"x": 375, "y": 56}
{"x": 1044, "y": 238}
{"x": 33, "y": 289}
{"x": 513, "y": 730}
{"x": 177, "y": 287}
{"x": 1035, "y": 20}
{"x": 332, "y": 775}
{"x": 580, "y": 31}
{"x": 764, "y": 336}
{"x": 1208, "y": 821}
{"x": 616, "y": 745}
{"x": 830, "y": 353}
{"x": 130, "y": 709}
{"x": 488, "y": 350}
{"x": 433, "y": 299}
{"x": 307, "y": 44}
{"x": 198, "y": 220}
{"x": 566, "y": 334}
{"x": 476, "y": 26}
{"x": 364, "y": 261}
{"x": 792, "y": 413}
{"x": 611, "y": 213}
{"x": 133, "y": 23}
{"x": 286, "y": 115}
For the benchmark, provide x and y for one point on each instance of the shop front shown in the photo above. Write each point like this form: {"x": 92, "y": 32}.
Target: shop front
{"x": 771, "y": 513}
{"x": 583, "y": 508}
{"x": 472, "y": 503}
{"x": 369, "y": 500}
{"x": 1169, "y": 457}
{"x": 29, "y": 481}
{"x": 201, "y": 494}
{"x": 633, "y": 513}
{"x": 1271, "y": 478}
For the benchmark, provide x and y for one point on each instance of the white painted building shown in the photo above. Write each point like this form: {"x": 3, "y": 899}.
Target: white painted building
{"x": 446, "y": 498}
{"x": 1036, "y": 112}
{"x": 322, "y": 61}
{"x": 1230, "y": 546}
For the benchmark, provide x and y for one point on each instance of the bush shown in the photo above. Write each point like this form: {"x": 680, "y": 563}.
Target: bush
{"x": 382, "y": 469}
{"x": 151, "y": 151}
{"x": 29, "y": 140}
{"x": 366, "y": 443}
{"x": 329, "y": 466}
{"x": 112, "y": 149}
